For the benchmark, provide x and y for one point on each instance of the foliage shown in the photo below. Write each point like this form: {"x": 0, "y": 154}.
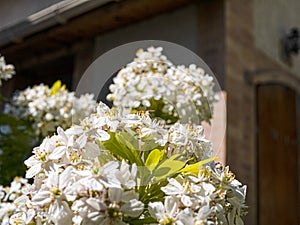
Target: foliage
{"x": 16, "y": 142}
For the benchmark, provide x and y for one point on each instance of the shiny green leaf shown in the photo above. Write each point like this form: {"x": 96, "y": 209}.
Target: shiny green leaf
{"x": 194, "y": 168}
{"x": 154, "y": 158}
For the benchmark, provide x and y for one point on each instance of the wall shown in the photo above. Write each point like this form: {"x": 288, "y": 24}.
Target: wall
{"x": 243, "y": 55}
{"x": 272, "y": 24}
{"x": 197, "y": 27}
{"x": 241, "y": 148}
{"x": 179, "y": 26}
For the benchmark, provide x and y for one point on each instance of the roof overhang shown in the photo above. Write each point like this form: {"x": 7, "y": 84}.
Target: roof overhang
{"x": 56, "y": 14}
{"x": 59, "y": 30}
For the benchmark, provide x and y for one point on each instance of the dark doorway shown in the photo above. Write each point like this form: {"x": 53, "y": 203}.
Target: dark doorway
{"x": 278, "y": 157}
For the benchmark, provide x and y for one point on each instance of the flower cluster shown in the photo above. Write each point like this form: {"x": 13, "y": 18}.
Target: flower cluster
{"x": 109, "y": 130}
{"x": 115, "y": 167}
{"x": 212, "y": 197}
{"x": 47, "y": 108}
{"x": 69, "y": 195}
{"x": 6, "y": 70}
{"x": 18, "y": 187}
{"x": 126, "y": 169}
{"x": 170, "y": 92}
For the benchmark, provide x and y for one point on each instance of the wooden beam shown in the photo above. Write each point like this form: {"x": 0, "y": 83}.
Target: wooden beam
{"x": 58, "y": 40}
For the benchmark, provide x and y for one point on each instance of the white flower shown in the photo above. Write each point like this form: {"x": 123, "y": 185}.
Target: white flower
{"x": 6, "y": 70}
{"x": 6, "y": 210}
{"x": 22, "y": 217}
{"x": 40, "y": 159}
{"x": 54, "y": 187}
{"x": 93, "y": 173}
{"x": 189, "y": 139}
{"x": 174, "y": 188}
{"x": 167, "y": 213}
{"x": 17, "y": 191}
{"x": 47, "y": 108}
{"x": 182, "y": 93}
{"x": 68, "y": 145}
{"x": 203, "y": 214}
{"x": 178, "y": 134}
{"x": 60, "y": 213}
{"x": 205, "y": 199}
{"x": 109, "y": 201}
{"x": 131, "y": 205}
{"x": 126, "y": 176}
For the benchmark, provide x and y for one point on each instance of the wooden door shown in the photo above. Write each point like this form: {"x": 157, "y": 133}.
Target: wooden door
{"x": 278, "y": 157}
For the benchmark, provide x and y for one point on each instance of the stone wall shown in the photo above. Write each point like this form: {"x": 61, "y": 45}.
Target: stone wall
{"x": 241, "y": 56}
{"x": 271, "y": 25}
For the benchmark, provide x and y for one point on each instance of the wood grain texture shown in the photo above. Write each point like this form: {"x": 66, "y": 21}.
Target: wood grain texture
{"x": 278, "y": 194}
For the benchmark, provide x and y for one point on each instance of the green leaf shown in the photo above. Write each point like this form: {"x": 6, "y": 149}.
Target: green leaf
{"x": 148, "y": 220}
{"x": 168, "y": 168}
{"x": 105, "y": 157}
{"x": 154, "y": 158}
{"x": 16, "y": 142}
{"x": 113, "y": 146}
{"x": 128, "y": 140}
{"x": 144, "y": 176}
{"x": 123, "y": 146}
{"x": 131, "y": 147}
{"x": 149, "y": 145}
{"x": 194, "y": 168}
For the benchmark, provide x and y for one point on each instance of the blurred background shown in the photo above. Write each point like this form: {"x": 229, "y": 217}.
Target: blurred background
{"x": 252, "y": 47}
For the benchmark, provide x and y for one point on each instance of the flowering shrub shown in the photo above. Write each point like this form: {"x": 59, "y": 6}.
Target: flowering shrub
{"x": 47, "y": 108}
{"x": 33, "y": 114}
{"x": 115, "y": 167}
{"x": 151, "y": 82}
{"x": 6, "y": 70}
{"x": 18, "y": 187}
{"x": 127, "y": 169}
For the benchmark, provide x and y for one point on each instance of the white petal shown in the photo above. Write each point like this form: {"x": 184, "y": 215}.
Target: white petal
{"x": 115, "y": 194}
{"x": 204, "y": 212}
{"x": 81, "y": 141}
{"x": 128, "y": 195}
{"x": 62, "y": 134}
{"x": 34, "y": 170}
{"x": 209, "y": 188}
{"x": 93, "y": 184}
{"x": 42, "y": 198}
{"x": 30, "y": 214}
{"x": 58, "y": 152}
{"x": 91, "y": 151}
{"x": 171, "y": 205}
{"x": 94, "y": 203}
{"x": 22, "y": 200}
{"x": 186, "y": 200}
{"x": 31, "y": 161}
{"x": 133, "y": 208}
{"x": 156, "y": 209}
{"x": 101, "y": 135}
{"x": 75, "y": 130}
{"x": 65, "y": 177}
{"x": 186, "y": 216}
